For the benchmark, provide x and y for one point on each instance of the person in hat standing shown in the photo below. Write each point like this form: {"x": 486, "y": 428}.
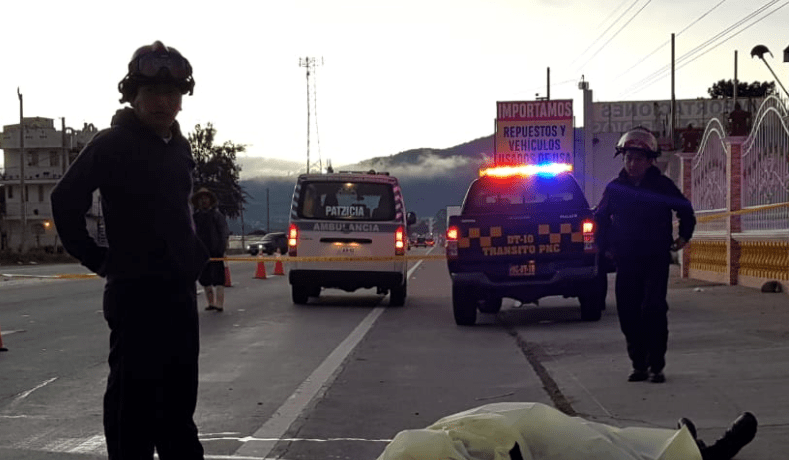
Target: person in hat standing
{"x": 142, "y": 167}
{"x": 635, "y": 228}
{"x": 212, "y": 230}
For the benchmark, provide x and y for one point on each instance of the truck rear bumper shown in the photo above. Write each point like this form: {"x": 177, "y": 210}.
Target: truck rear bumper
{"x": 568, "y": 282}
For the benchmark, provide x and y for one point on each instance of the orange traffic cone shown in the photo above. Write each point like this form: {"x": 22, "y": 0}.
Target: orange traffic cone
{"x": 2, "y": 348}
{"x": 278, "y": 268}
{"x": 227, "y": 276}
{"x": 261, "y": 271}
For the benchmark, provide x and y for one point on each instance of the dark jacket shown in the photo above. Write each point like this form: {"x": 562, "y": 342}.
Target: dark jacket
{"x": 145, "y": 185}
{"x": 636, "y": 220}
{"x": 212, "y": 230}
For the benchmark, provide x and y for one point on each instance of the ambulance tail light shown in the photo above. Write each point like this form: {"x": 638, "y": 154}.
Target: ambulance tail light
{"x": 588, "y": 229}
{"x": 400, "y": 241}
{"x": 452, "y": 242}
{"x": 293, "y": 240}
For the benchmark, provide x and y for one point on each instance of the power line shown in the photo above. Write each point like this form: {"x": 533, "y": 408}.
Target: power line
{"x": 607, "y": 29}
{"x": 617, "y": 32}
{"x": 660, "y": 73}
{"x": 668, "y": 41}
{"x": 611, "y": 14}
{"x": 685, "y": 59}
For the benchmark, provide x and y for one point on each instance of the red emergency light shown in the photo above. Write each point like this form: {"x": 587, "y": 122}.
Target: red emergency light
{"x": 545, "y": 169}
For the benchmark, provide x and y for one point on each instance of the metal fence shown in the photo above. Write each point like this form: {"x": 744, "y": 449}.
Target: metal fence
{"x": 708, "y": 177}
{"x": 765, "y": 169}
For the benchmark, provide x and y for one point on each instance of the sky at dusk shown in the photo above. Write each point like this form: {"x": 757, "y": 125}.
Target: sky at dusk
{"x": 392, "y": 76}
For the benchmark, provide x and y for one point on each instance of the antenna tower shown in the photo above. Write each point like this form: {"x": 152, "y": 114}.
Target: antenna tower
{"x": 310, "y": 64}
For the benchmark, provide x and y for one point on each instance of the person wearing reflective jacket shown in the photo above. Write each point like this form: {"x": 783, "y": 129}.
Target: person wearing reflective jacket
{"x": 635, "y": 229}
{"x": 142, "y": 167}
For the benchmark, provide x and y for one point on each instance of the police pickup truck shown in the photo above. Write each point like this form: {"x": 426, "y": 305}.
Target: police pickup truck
{"x": 524, "y": 232}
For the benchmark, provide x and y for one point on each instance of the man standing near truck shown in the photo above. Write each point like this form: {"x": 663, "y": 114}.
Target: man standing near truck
{"x": 635, "y": 229}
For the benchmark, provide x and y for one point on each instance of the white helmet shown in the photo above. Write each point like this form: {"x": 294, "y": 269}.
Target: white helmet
{"x": 641, "y": 139}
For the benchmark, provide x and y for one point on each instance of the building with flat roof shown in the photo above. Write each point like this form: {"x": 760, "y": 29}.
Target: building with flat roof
{"x": 26, "y": 183}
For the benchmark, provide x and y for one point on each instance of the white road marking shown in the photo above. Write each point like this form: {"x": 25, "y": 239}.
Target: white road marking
{"x": 276, "y": 426}
{"x": 262, "y": 442}
{"x": 28, "y": 392}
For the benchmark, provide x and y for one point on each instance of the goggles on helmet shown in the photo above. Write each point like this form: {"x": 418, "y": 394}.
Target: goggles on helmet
{"x": 151, "y": 65}
{"x": 156, "y": 63}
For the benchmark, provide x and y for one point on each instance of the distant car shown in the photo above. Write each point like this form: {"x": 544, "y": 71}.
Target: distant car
{"x": 420, "y": 241}
{"x": 429, "y": 241}
{"x": 271, "y": 243}
{"x": 254, "y": 247}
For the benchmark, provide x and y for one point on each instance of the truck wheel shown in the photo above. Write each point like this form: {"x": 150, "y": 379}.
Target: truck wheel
{"x": 590, "y": 309}
{"x": 397, "y": 295}
{"x": 464, "y": 306}
{"x": 299, "y": 293}
{"x": 602, "y": 287}
{"x": 593, "y": 300}
{"x": 492, "y": 304}
{"x": 315, "y": 291}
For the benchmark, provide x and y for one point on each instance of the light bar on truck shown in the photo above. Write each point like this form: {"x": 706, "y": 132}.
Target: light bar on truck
{"x": 545, "y": 169}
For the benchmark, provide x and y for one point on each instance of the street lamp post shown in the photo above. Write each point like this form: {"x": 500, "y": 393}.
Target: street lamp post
{"x": 22, "y": 192}
{"x": 759, "y": 51}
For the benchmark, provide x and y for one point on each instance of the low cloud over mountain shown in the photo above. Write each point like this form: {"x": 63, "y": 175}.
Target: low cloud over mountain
{"x": 431, "y": 179}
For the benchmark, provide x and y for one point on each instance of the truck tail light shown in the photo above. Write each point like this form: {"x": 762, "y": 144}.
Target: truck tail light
{"x": 293, "y": 240}
{"x": 452, "y": 242}
{"x": 400, "y": 241}
{"x": 588, "y": 229}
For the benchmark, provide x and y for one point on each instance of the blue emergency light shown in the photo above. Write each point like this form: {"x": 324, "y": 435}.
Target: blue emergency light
{"x": 544, "y": 169}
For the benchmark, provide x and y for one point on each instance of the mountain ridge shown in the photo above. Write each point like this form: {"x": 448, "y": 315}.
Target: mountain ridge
{"x": 431, "y": 179}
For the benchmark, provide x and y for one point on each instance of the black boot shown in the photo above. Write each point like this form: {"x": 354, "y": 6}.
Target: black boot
{"x": 688, "y": 423}
{"x": 741, "y": 432}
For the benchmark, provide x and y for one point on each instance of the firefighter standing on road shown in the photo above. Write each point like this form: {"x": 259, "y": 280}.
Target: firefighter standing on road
{"x": 635, "y": 229}
{"x": 142, "y": 166}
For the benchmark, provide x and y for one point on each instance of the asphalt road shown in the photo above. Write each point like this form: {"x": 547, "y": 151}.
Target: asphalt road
{"x": 339, "y": 377}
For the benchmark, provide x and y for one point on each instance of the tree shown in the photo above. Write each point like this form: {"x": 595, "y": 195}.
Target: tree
{"x": 217, "y": 170}
{"x": 725, "y": 88}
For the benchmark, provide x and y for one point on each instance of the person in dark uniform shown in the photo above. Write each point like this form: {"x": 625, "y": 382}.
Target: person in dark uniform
{"x": 212, "y": 230}
{"x": 635, "y": 228}
{"x": 142, "y": 167}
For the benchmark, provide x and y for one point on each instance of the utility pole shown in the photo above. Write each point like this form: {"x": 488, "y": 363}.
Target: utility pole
{"x": 268, "y": 212}
{"x": 309, "y": 63}
{"x": 735, "y": 78}
{"x": 673, "y": 100}
{"x": 243, "y": 230}
{"x": 23, "y": 192}
{"x": 548, "y": 84}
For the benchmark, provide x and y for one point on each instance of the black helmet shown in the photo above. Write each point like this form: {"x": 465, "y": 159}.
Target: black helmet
{"x": 156, "y": 63}
{"x": 641, "y": 139}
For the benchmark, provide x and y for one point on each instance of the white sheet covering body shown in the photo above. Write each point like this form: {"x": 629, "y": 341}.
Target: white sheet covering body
{"x": 543, "y": 433}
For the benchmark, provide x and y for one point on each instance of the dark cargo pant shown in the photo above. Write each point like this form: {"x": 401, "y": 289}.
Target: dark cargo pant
{"x": 152, "y": 387}
{"x": 641, "y": 288}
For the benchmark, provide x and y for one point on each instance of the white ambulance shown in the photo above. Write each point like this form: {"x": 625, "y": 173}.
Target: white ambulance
{"x": 351, "y": 227}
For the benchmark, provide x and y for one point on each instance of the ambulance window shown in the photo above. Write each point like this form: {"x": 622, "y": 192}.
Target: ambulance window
{"x": 355, "y": 201}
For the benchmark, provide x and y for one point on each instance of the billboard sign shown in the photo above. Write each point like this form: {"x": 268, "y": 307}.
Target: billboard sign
{"x": 534, "y": 132}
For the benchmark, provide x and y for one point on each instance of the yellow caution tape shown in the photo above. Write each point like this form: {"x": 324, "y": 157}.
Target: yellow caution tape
{"x": 407, "y": 258}
{"x": 741, "y": 211}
